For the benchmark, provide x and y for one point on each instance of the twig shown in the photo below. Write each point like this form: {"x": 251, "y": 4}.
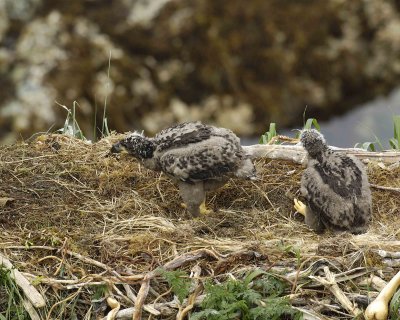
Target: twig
{"x": 69, "y": 252}
{"x": 28, "y": 248}
{"x": 310, "y": 314}
{"x": 330, "y": 283}
{"x": 196, "y": 271}
{"x": 129, "y": 292}
{"x": 131, "y": 296}
{"x": 385, "y": 188}
{"x": 264, "y": 195}
{"x": 115, "y": 306}
{"x": 190, "y": 256}
{"x": 280, "y": 138}
{"x": 49, "y": 257}
{"x": 374, "y": 282}
{"x": 391, "y": 259}
{"x": 364, "y": 299}
{"x": 88, "y": 260}
{"x": 94, "y": 262}
{"x": 388, "y": 254}
{"x": 392, "y": 262}
{"x": 190, "y": 304}
{"x": 88, "y": 282}
{"x": 142, "y": 294}
{"x": 28, "y": 159}
{"x": 121, "y": 295}
{"x": 29, "y": 290}
{"x": 162, "y": 295}
{"x": 294, "y": 284}
{"x": 62, "y": 301}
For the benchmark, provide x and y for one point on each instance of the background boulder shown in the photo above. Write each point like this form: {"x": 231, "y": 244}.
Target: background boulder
{"x": 235, "y": 64}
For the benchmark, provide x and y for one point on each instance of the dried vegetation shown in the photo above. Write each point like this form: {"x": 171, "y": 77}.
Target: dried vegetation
{"x": 83, "y": 226}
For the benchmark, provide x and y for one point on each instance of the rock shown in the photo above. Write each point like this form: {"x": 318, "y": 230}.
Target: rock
{"x": 152, "y": 63}
{"x": 4, "y": 21}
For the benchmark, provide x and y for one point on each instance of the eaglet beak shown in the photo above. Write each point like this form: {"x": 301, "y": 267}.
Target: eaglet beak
{"x": 118, "y": 148}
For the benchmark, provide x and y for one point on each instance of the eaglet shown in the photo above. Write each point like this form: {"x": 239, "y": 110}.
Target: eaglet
{"x": 335, "y": 186}
{"x": 196, "y": 156}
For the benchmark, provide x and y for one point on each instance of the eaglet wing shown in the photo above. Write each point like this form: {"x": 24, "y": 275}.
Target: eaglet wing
{"x": 342, "y": 174}
{"x": 181, "y": 135}
{"x": 200, "y": 162}
{"x": 325, "y": 197}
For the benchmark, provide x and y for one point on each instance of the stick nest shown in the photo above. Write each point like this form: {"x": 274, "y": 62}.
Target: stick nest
{"x": 73, "y": 219}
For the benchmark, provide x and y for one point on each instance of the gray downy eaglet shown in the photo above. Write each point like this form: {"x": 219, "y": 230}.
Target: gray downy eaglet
{"x": 198, "y": 157}
{"x": 335, "y": 186}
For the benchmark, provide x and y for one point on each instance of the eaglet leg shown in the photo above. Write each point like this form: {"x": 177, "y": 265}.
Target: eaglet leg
{"x": 311, "y": 219}
{"x": 213, "y": 184}
{"x": 194, "y": 197}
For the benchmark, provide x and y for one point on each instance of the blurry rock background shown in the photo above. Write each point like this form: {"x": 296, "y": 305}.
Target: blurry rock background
{"x": 238, "y": 64}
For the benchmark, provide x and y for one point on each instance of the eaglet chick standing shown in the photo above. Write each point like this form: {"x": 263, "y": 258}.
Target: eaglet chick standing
{"x": 198, "y": 157}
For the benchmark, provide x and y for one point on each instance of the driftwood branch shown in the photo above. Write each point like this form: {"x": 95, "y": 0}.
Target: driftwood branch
{"x": 29, "y": 290}
{"x": 297, "y": 153}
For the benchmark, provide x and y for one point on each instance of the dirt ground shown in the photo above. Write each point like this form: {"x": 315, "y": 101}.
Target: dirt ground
{"x": 73, "y": 216}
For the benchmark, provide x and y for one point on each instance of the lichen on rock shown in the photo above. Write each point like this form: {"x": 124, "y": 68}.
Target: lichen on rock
{"x": 165, "y": 62}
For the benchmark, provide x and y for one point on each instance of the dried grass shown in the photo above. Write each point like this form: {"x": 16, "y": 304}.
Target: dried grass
{"x": 81, "y": 218}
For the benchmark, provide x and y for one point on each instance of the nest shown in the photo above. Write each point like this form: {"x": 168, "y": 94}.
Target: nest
{"x": 74, "y": 219}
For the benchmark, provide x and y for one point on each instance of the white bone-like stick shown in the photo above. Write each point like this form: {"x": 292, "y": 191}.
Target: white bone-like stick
{"x": 378, "y": 309}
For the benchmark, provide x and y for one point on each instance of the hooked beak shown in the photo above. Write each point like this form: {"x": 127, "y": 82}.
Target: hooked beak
{"x": 118, "y": 148}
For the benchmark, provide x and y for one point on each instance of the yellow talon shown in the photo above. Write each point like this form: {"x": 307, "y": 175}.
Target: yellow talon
{"x": 300, "y": 207}
{"x": 203, "y": 209}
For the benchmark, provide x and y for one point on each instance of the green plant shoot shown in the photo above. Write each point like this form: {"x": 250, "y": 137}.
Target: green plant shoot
{"x": 395, "y": 141}
{"x": 267, "y": 137}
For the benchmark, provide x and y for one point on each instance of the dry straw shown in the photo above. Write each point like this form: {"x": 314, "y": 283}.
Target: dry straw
{"x": 80, "y": 223}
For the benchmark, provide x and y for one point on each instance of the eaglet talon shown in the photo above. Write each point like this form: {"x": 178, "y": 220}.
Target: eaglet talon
{"x": 203, "y": 209}
{"x": 300, "y": 207}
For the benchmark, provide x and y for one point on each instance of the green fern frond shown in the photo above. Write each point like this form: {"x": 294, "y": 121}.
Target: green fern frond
{"x": 254, "y": 297}
{"x": 270, "y": 286}
{"x": 179, "y": 283}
